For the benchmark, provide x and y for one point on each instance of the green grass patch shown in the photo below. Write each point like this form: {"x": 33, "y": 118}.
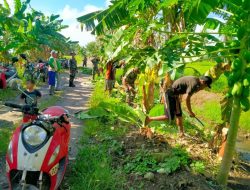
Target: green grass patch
{"x": 86, "y": 70}
{"x": 92, "y": 170}
{"x": 5, "y": 134}
{"x": 245, "y": 120}
{"x": 210, "y": 111}
{"x": 7, "y": 94}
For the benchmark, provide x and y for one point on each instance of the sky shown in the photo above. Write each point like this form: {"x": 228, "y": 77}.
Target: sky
{"x": 69, "y": 11}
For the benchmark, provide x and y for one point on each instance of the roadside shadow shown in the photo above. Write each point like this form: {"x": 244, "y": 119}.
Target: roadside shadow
{"x": 6, "y": 124}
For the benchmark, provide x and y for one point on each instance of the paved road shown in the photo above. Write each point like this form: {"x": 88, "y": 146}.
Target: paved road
{"x": 73, "y": 99}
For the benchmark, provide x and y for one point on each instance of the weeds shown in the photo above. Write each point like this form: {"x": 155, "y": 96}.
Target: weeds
{"x": 92, "y": 169}
{"x": 144, "y": 162}
{"x": 198, "y": 167}
{"x": 6, "y": 94}
{"x": 5, "y": 134}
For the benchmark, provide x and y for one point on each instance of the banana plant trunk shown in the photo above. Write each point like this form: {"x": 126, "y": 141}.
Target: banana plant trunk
{"x": 230, "y": 145}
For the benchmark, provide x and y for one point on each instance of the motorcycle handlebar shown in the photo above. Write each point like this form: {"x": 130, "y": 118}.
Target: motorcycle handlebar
{"x": 12, "y": 105}
{"x": 27, "y": 109}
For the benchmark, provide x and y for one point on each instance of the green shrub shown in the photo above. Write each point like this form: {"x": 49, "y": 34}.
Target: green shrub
{"x": 198, "y": 167}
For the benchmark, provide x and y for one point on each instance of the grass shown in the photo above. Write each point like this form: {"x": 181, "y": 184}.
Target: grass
{"x": 93, "y": 167}
{"x": 6, "y": 131}
{"x": 210, "y": 111}
{"x": 6, "y": 94}
{"x": 5, "y": 134}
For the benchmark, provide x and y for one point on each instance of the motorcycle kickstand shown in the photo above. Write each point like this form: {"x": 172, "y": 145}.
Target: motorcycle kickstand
{"x": 40, "y": 182}
{"x": 23, "y": 182}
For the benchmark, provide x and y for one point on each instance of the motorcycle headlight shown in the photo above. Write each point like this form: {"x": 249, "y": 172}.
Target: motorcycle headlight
{"x": 54, "y": 155}
{"x": 10, "y": 152}
{"x": 34, "y": 135}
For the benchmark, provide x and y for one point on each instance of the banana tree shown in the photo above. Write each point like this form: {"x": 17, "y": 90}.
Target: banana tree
{"x": 24, "y": 30}
{"x": 179, "y": 42}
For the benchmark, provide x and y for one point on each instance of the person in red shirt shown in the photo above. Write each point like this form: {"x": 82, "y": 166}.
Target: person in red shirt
{"x": 109, "y": 77}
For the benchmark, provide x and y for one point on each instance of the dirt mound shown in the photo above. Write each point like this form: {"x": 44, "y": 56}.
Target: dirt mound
{"x": 160, "y": 149}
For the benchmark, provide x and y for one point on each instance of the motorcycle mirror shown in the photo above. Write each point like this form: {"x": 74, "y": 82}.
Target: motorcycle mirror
{"x": 19, "y": 88}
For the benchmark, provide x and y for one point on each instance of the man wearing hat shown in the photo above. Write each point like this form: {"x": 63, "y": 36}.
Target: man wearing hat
{"x": 184, "y": 85}
{"x": 53, "y": 68}
{"x": 72, "y": 69}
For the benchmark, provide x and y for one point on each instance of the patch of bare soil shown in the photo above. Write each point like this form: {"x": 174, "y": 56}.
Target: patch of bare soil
{"x": 158, "y": 145}
{"x": 183, "y": 178}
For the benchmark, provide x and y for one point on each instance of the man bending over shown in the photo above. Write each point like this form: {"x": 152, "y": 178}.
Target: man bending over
{"x": 184, "y": 85}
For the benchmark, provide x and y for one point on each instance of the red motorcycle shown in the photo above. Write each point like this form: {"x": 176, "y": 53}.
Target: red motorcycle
{"x": 37, "y": 155}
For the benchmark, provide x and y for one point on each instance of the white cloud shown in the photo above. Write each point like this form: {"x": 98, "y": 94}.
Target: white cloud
{"x": 108, "y": 2}
{"x": 69, "y": 15}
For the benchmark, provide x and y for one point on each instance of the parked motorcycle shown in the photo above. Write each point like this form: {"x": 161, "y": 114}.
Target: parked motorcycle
{"x": 37, "y": 155}
{"x": 8, "y": 75}
{"x": 29, "y": 71}
{"x": 41, "y": 71}
{"x": 64, "y": 63}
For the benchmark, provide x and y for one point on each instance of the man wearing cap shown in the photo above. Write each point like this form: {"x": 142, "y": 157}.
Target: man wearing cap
{"x": 184, "y": 85}
{"x": 72, "y": 69}
{"x": 53, "y": 68}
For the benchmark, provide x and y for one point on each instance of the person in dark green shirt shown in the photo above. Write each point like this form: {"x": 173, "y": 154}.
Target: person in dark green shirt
{"x": 72, "y": 69}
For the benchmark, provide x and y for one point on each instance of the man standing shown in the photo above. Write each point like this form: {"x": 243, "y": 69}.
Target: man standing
{"x": 184, "y": 85}
{"x": 84, "y": 61}
{"x": 72, "y": 69}
{"x": 53, "y": 67}
{"x": 110, "y": 77}
{"x": 129, "y": 84}
{"x": 95, "y": 62}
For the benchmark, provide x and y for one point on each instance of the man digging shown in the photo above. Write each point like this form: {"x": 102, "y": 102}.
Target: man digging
{"x": 129, "y": 84}
{"x": 184, "y": 85}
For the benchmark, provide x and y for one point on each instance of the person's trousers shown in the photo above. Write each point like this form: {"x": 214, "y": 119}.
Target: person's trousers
{"x": 71, "y": 79}
{"x": 58, "y": 81}
{"x": 95, "y": 71}
{"x": 52, "y": 81}
{"x": 51, "y": 90}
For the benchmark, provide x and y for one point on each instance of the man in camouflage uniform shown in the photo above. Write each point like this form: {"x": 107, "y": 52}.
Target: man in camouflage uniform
{"x": 129, "y": 84}
{"x": 72, "y": 69}
{"x": 95, "y": 62}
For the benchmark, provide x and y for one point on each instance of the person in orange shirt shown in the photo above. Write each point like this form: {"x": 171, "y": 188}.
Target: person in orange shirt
{"x": 109, "y": 77}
